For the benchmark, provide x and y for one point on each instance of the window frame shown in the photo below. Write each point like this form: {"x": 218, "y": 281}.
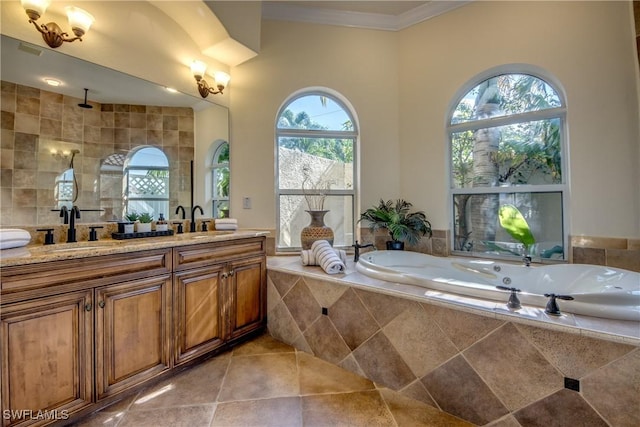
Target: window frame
{"x": 126, "y": 178}
{"x": 316, "y": 133}
{"x": 559, "y": 113}
{"x": 214, "y": 164}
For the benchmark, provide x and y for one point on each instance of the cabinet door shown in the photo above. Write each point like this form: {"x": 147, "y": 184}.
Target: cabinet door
{"x": 247, "y": 289}
{"x": 133, "y": 333}
{"x": 47, "y": 362}
{"x": 199, "y": 321}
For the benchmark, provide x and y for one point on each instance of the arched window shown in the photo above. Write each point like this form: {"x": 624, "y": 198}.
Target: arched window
{"x": 220, "y": 181}
{"x": 146, "y": 182}
{"x": 316, "y": 141}
{"x": 508, "y": 150}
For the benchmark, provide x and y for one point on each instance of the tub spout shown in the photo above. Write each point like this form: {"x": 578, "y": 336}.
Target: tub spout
{"x": 514, "y": 302}
{"x": 526, "y": 260}
{"x": 552, "y": 306}
{"x": 357, "y": 247}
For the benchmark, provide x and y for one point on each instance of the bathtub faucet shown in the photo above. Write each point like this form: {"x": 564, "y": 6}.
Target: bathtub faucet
{"x": 514, "y": 302}
{"x": 357, "y": 247}
{"x": 552, "y": 306}
{"x": 526, "y": 260}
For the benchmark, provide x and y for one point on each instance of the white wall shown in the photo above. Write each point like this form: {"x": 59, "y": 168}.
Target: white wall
{"x": 359, "y": 64}
{"x": 211, "y": 125}
{"x": 401, "y": 85}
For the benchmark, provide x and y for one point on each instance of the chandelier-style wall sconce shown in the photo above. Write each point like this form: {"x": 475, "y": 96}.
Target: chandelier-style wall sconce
{"x": 79, "y": 20}
{"x": 222, "y": 79}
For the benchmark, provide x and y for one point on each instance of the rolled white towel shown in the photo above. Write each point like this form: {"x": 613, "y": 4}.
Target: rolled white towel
{"x": 14, "y": 238}
{"x": 327, "y": 258}
{"x": 226, "y": 226}
{"x": 226, "y": 221}
{"x": 308, "y": 257}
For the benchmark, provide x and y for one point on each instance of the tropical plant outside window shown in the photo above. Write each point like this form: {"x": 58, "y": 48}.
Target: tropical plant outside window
{"x": 220, "y": 181}
{"x": 316, "y": 144}
{"x": 146, "y": 182}
{"x": 507, "y": 159}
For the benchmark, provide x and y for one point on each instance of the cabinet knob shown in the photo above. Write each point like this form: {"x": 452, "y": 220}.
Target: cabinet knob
{"x": 224, "y": 275}
{"x": 231, "y": 273}
{"x": 88, "y": 307}
{"x": 101, "y": 304}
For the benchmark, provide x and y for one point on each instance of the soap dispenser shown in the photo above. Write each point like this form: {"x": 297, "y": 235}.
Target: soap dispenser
{"x": 161, "y": 223}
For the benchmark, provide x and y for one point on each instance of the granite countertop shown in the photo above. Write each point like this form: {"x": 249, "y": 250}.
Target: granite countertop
{"x": 33, "y": 253}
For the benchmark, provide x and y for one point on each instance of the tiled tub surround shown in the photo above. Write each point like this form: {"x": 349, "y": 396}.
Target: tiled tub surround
{"x": 35, "y": 121}
{"x": 471, "y": 358}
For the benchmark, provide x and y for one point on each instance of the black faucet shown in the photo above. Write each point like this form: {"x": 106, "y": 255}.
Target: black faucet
{"x": 192, "y": 226}
{"x": 69, "y": 217}
{"x": 552, "y": 305}
{"x": 357, "y": 247}
{"x": 181, "y": 208}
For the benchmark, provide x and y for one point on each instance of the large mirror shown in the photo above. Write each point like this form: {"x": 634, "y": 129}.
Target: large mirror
{"x": 62, "y": 145}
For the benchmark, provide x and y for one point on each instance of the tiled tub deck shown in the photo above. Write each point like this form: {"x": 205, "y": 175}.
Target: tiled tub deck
{"x": 474, "y": 359}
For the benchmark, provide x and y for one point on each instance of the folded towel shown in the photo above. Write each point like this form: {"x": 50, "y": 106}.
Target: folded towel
{"x": 309, "y": 258}
{"x": 13, "y": 238}
{"x": 226, "y": 226}
{"x": 327, "y": 258}
{"x": 226, "y": 221}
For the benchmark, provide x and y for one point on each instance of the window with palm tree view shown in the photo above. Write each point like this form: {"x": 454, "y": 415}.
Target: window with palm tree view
{"x": 507, "y": 160}
{"x": 220, "y": 181}
{"x": 316, "y": 144}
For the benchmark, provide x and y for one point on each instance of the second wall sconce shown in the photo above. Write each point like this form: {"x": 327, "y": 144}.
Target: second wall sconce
{"x": 79, "y": 20}
{"x": 222, "y": 79}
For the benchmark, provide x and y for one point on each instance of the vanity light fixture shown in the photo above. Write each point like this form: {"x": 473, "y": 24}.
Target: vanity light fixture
{"x": 79, "y": 20}
{"x": 222, "y": 79}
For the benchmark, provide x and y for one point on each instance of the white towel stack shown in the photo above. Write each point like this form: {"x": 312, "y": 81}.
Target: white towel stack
{"x": 327, "y": 258}
{"x": 308, "y": 257}
{"x": 226, "y": 224}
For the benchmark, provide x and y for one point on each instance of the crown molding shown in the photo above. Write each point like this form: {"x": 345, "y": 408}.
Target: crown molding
{"x": 375, "y": 21}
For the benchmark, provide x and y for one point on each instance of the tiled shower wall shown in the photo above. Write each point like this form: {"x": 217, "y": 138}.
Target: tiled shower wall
{"x": 481, "y": 369}
{"x": 36, "y": 121}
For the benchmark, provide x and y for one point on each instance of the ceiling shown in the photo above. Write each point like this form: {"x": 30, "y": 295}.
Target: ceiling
{"x": 30, "y": 65}
{"x": 380, "y": 15}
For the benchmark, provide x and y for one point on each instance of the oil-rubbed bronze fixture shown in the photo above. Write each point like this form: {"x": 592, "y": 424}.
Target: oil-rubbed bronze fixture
{"x": 222, "y": 79}
{"x": 79, "y": 20}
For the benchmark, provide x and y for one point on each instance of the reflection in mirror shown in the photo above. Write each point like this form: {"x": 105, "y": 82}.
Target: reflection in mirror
{"x": 65, "y": 189}
{"x": 146, "y": 182}
{"x": 41, "y": 125}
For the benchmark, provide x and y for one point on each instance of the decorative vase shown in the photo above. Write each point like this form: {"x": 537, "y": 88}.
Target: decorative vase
{"x": 395, "y": 245}
{"x": 316, "y": 230}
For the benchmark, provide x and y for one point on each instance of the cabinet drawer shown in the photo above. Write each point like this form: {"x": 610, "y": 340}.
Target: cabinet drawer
{"x": 202, "y": 255}
{"x": 62, "y": 276}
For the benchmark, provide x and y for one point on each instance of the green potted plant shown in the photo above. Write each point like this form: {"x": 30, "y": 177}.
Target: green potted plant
{"x": 128, "y": 224}
{"x": 144, "y": 224}
{"x": 403, "y": 226}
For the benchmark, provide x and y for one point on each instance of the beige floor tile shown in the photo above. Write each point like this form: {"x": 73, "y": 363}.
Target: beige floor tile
{"x": 364, "y": 408}
{"x": 277, "y": 412}
{"x": 260, "y": 377}
{"x": 181, "y": 416}
{"x": 319, "y": 377}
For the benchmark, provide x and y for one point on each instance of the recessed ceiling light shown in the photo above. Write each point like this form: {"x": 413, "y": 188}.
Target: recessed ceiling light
{"x": 170, "y": 89}
{"x": 52, "y": 82}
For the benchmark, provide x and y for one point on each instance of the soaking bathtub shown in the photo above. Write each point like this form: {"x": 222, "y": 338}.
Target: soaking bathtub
{"x": 598, "y": 291}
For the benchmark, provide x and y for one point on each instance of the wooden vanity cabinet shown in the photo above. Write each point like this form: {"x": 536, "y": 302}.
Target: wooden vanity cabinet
{"x": 133, "y": 333}
{"x": 55, "y": 315}
{"x": 219, "y": 294}
{"x": 76, "y": 333}
{"x": 47, "y": 357}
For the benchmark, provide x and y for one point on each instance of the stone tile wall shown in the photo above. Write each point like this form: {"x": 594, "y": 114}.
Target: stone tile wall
{"x": 35, "y": 121}
{"x": 481, "y": 369}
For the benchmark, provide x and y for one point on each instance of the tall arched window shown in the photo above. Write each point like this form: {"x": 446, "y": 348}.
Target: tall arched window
{"x": 146, "y": 182}
{"x": 316, "y": 141}
{"x": 508, "y": 150}
{"x": 220, "y": 180}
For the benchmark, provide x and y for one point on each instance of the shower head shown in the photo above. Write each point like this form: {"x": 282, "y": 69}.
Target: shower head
{"x": 84, "y": 104}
